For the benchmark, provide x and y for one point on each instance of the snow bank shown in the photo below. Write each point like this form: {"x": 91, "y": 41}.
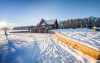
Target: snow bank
{"x": 83, "y": 36}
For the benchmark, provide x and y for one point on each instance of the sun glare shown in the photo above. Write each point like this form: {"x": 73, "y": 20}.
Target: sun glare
{"x": 3, "y": 24}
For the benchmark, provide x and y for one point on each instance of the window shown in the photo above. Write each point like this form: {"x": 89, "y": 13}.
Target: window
{"x": 50, "y": 26}
{"x": 44, "y": 26}
{"x": 43, "y": 23}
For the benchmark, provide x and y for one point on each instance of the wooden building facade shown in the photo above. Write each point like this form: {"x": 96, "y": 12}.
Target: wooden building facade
{"x": 45, "y": 25}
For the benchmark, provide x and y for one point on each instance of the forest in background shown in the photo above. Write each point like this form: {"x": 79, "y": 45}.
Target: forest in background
{"x": 88, "y": 22}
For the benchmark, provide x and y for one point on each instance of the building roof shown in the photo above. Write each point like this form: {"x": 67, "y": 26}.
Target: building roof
{"x": 50, "y": 21}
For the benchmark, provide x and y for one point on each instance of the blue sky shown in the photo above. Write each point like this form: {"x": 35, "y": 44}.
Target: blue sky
{"x": 30, "y": 12}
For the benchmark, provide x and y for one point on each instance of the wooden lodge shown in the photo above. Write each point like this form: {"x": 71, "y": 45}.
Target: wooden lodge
{"x": 45, "y": 25}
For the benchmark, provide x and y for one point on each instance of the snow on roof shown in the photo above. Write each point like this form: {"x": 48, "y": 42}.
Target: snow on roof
{"x": 50, "y": 21}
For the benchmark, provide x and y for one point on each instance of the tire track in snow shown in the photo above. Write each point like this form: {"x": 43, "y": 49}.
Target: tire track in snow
{"x": 53, "y": 49}
{"x": 66, "y": 55}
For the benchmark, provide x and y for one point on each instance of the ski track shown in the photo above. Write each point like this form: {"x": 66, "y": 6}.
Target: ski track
{"x": 39, "y": 48}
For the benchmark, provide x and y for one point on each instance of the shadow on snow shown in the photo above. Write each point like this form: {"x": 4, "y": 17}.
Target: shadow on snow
{"x": 11, "y": 54}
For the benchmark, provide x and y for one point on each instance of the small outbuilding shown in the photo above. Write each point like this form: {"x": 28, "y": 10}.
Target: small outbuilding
{"x": 96, "y": 28}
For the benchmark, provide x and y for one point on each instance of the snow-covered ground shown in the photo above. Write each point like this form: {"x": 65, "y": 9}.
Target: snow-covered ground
{"x": 84, "y": 36}
{"x": 38, "y": 48}
{"x": 1, "y": 32}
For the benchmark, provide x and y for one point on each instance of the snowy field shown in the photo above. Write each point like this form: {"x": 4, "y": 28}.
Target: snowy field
{"x": 1, "y": 32}
{"x": 38, "y": 48}
{"x": 84, "y": 36}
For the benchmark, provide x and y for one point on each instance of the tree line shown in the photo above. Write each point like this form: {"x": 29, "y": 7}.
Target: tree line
{"x": 88, "y": 22}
